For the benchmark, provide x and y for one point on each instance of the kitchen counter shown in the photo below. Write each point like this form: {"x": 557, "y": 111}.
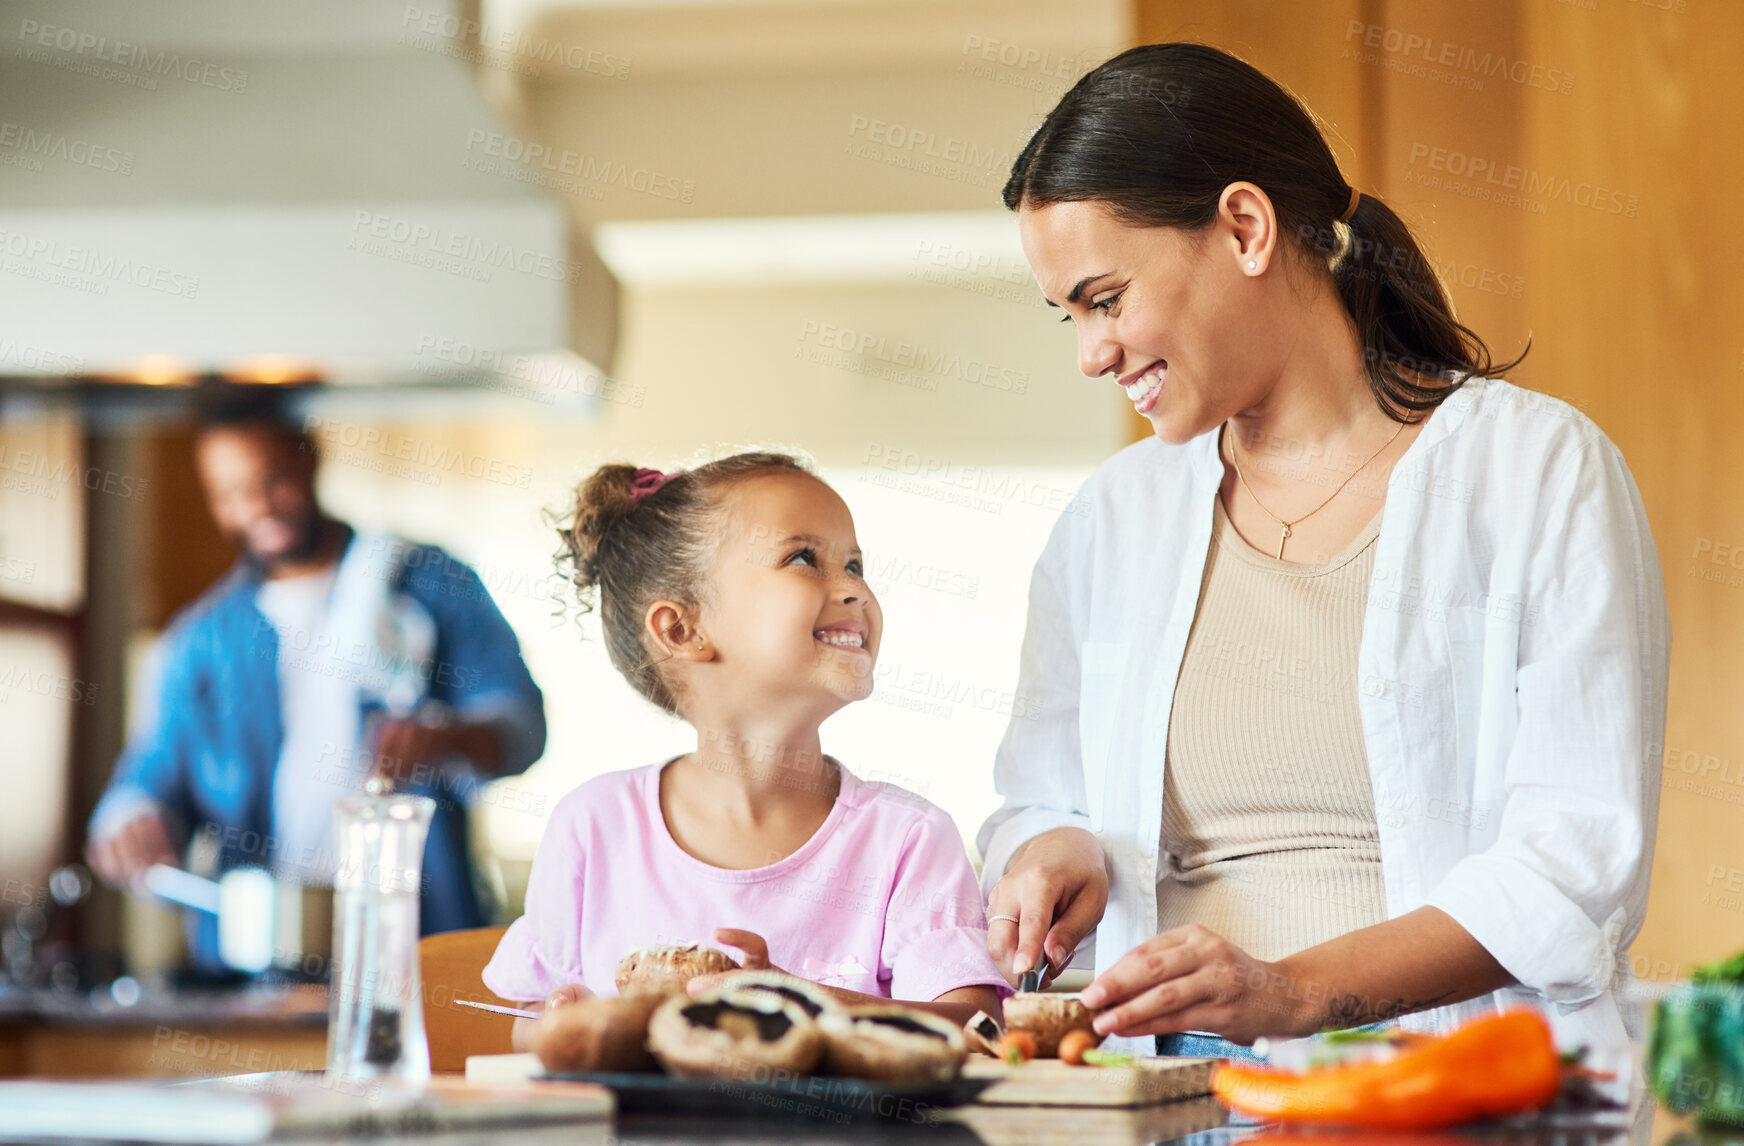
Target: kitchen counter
{"x": 1195, "y": 1122}
{"x": 162, "y": 1034}
{"x": 1162, "y": 1126}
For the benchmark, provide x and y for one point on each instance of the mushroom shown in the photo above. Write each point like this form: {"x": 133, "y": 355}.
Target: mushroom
{"x": 596, "y": 1034}
{"x": 893, "y": 1045}
{"x": 982, "y": 1032}
{"x": 811, "y": 998}
{"x": 733, "y": 1033}
{"x": 1047, "y": 1015}
{"x": 665, "y": 970}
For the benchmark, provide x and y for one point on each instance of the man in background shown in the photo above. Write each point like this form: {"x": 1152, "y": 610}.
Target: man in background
{"x": 323, "y": 657}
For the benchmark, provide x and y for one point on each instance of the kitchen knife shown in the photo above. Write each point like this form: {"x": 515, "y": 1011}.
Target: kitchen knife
{"x": 496, "y": 1010}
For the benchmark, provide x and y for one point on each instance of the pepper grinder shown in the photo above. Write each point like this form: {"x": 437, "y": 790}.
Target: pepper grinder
{"x": 375, "y": 1030}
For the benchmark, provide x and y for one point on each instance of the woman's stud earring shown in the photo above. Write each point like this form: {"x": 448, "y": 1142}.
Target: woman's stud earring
{"x": 1251, "y": 264}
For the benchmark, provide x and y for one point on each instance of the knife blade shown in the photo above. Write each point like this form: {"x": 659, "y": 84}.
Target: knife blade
{"x": 1031, "y": 980}
{"x": 518, "y": 1012}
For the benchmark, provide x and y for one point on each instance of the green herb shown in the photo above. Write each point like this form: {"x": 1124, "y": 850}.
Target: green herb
{"x": 1725, "y": 971}
{"x": 1695, "y": 1059}
{"x": 1358, "y": 1035}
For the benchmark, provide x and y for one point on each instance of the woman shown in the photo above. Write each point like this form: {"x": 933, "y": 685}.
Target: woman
{"x": 1351, "y": 681}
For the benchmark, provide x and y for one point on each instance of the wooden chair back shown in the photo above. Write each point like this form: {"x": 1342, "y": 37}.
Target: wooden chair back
{"x": 452, "y": 967}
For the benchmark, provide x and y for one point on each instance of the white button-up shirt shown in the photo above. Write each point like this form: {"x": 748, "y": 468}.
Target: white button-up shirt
{"x": 1511, "y": 681}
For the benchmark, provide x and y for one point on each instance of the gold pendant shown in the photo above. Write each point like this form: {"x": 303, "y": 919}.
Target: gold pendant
{"x": 1282, "y": 537}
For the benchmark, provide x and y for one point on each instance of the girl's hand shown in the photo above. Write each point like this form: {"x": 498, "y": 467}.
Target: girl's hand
{"x": 756, "y": 958}
{"x": 1191, "y": 979}
{"x": 521, "y": 1034}
{"x": 1056, "y": 886}
{"x": 568, "y": 993}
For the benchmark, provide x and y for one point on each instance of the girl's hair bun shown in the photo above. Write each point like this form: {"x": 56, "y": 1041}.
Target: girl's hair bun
{"x": 601, "y": 501}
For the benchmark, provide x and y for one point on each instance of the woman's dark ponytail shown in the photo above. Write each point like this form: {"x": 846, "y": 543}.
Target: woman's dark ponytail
{"x": 1159, "y": 131}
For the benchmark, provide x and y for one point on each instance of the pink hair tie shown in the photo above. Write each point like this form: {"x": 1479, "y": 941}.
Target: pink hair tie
{"x": 648, "y": 481}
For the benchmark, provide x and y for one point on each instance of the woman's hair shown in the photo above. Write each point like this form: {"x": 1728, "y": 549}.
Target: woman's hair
{"x": 630, "y": 549}
{"x": 1159, "y": 131}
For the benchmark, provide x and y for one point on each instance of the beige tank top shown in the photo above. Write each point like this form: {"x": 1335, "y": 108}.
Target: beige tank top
{"x": 1269, "y": 829}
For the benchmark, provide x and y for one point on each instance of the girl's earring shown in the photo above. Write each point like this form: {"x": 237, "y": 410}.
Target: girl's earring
{"x": 1251, "y": 264}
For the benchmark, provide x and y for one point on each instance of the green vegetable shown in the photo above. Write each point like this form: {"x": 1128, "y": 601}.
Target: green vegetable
{"x": 1695, "y": 1058}
{"x": 1725, "y": 971}
{"x": 1108, "y": 1058}
{"x": 1358, "y": 1035}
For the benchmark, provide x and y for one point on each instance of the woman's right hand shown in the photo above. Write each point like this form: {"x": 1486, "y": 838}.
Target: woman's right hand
{"x": 1056, "y": 886}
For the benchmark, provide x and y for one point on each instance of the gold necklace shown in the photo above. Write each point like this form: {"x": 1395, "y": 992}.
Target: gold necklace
{"x": 1284, "y": 526}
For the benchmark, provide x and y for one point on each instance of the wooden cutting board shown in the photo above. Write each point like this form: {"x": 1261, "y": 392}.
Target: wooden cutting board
{"x": 1078, "y": 1125}
{"x": 1050, "y": 1082}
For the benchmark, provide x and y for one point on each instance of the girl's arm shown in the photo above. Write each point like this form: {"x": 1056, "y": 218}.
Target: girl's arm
{"x": 958, "y": 1005}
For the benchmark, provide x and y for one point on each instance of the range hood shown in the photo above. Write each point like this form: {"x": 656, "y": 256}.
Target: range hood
{"x": 239, "y": 186}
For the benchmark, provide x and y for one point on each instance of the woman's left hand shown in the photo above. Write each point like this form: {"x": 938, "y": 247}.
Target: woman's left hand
{"x": 1192, "y": 979}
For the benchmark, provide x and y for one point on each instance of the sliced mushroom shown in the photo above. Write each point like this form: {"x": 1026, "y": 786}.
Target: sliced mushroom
{"x": 665, "y": 970}
{"x": 734, "y": 1034}
{"x": 597, "y": 1034}
{"x": 982, "y": 1033}
{"x": 1048, "y": 1015}
{"x": 810, "y": 998}
{"x": 893, "y": 1044}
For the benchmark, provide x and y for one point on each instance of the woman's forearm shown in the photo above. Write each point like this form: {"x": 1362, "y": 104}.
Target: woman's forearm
{"x": 1420, "y": 960}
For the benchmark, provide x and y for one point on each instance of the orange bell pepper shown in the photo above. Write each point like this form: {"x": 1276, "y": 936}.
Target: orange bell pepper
{"x": 1499, "y": 1064}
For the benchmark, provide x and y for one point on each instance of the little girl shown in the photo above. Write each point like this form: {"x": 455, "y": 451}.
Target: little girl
{"x": 733, "y": 596}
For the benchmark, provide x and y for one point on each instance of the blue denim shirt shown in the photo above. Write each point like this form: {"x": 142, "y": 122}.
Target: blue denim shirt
{"x": 209, "y": 742}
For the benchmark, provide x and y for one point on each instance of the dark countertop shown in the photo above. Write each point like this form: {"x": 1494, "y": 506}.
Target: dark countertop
{"x": 299, "y": 1006}
{"x": 1034, "y": 1127}
{"x": 1196, "y": 1122}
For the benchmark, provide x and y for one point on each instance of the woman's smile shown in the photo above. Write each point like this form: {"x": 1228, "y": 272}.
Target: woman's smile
{"x": 1145, "y": 386}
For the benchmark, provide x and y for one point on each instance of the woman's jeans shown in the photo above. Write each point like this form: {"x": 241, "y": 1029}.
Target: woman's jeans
{"x": 1203, "y": 1046}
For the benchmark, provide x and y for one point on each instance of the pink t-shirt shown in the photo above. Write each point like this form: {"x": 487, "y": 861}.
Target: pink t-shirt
{"x": 881, "y": 900}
